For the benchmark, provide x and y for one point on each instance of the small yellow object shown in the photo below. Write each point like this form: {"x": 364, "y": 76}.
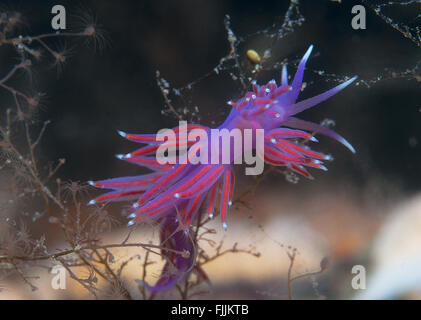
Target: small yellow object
{"x": 253, "y": 56}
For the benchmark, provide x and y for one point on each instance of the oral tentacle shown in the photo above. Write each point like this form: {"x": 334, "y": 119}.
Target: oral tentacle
{"x": 298, "y": 79}
{"x": 311, "y": 102}
{"x": 314, "y": 127}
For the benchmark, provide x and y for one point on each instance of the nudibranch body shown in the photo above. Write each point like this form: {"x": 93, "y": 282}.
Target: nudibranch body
{"x": 174, "y": 195}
